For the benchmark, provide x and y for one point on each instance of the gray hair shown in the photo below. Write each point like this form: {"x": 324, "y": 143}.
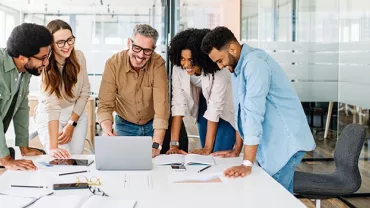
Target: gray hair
{"x": 146, "y": 30}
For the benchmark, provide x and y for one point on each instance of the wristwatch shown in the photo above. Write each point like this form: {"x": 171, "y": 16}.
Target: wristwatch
{"x": 156, "y": 146}
{"x": 247, "y": 163}
{"x": 73, "y": 123}
{"x": 174, "y": 143}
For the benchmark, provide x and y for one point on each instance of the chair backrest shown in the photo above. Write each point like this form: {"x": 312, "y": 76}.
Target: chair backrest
{"x": 347, "y": 152}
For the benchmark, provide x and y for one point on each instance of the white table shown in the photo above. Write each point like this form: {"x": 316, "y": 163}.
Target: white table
{"x": 256, "y": 190}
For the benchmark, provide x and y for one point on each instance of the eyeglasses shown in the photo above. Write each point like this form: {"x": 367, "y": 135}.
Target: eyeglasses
{"x": 97, "y": 191}
{"x": 137, "y": 49}
{"x": 45, "y": 58}
{"x": 93, "y": 181}
{"x": 70, "y": 41}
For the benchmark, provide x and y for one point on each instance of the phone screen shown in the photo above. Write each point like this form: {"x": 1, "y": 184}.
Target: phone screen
{"x": 71, "y": 186}
{"x": 71, "y": 162}
{"x": 178, "y": 167}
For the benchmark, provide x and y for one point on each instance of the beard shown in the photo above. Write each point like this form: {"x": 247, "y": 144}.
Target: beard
{"x": 233, "y": 61}
{"x": 31, "y": 69}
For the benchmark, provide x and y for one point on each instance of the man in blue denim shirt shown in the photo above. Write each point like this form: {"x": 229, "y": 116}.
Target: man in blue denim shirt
{"x": 269, "y": 115}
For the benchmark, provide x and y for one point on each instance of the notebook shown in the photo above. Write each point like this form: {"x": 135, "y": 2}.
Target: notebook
{"x": 189, "y": 159}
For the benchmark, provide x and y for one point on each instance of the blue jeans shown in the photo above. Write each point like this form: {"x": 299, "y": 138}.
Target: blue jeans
{"x": 285, "y": 175}
{"x": 125, "y": 128}
{"x": 225, "y": 135}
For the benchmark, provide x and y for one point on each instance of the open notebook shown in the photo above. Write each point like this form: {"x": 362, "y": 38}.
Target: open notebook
{"x": 189, "y": 159}
{"x": 83, "y": 201}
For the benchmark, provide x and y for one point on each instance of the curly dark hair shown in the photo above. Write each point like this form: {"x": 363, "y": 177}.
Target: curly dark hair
{"x": 191, "y": 39}
{"x": 217, "y": 38}
{"x": 27, "y": 39}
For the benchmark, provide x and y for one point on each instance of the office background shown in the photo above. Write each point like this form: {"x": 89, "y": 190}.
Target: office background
{"x": 323, "y": 46}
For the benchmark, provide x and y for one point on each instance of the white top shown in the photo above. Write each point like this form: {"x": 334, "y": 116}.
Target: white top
{"x": 196, "y": 80}
{"x": 216, "y": 89}
{"x": 155, "y": 189}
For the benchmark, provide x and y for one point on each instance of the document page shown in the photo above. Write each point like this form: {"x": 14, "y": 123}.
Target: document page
{"x": 14, "y": 202}
{"x": 70, "y": 201}
{"x": 169, "y": 159}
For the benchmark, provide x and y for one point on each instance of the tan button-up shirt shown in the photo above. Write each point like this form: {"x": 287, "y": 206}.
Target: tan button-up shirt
{"x": 136, "y": 97}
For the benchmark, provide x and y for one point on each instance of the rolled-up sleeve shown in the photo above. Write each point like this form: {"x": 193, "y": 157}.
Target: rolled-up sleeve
{"x": 216, "y": 101}
{"x": 160, "y": 97}
{"x": 81, "y": 101}
{"x": 178, "y": 103}
{"x": 257, "y": 74}
{"x": 107, "y": 93}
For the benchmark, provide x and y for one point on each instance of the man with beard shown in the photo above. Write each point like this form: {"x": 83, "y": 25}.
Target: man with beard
{"x": 135, "y": 86}
{"x": 268, "y": 113}
{"x": 27, "y": 53}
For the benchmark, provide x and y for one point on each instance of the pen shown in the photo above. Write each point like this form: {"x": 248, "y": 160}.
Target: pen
{"x": 84, "y": 171}
{"x": 204, "y": 168}
{"x": 21, "y": 186}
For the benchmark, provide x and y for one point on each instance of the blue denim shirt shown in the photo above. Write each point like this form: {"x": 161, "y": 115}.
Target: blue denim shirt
{"x": 269, "y": 112}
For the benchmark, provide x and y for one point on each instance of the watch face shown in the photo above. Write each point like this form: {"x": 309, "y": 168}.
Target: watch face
{"x": 155, "y": 145}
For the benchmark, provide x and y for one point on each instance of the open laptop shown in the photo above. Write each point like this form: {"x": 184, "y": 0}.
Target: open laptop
{"x": 123, "y": 153}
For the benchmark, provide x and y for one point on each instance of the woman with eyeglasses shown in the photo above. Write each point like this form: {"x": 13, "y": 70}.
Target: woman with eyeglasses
{"x": 200, "y": 89}
{"x": 61, "y": 118}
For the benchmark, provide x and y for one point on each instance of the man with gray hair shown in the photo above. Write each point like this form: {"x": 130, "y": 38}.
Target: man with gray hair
{"x": 135, "y": 86}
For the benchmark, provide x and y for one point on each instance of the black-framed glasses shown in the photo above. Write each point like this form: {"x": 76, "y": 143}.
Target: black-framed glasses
{"x": 137, "y": 49}
{"x": 70, "y": 41}
{"x": 45, "y": 58}
{"x": 97, "y": 191}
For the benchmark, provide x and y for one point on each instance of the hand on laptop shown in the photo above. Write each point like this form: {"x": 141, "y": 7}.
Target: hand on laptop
{"x": 59, "y": 153}
{"x": 107, "y": 128}
{"x": 11, "y": 164}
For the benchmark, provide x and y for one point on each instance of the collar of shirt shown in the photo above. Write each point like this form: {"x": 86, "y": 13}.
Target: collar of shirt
{"x": 127, "y": 61}
{"x": 243, "y": 53}
{"x": 8, "y": 62}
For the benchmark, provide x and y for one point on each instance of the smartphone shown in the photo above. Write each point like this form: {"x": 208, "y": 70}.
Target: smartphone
{"x": 74, "y": 162}
{"x": 180, "y": 167}
{"x": 66, "y": 186}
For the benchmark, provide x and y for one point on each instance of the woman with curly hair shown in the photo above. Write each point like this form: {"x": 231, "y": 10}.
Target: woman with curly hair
{"x": 201, "y": 90}
{"x": 61, "y": 118}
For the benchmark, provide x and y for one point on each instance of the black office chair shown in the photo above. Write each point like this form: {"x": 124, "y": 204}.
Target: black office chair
{"x": 346, "y": 178}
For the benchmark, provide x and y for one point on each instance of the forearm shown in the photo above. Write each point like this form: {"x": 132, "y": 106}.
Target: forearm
{"x": 53, "y": 127}
{"x": 250, "y": 152}
{"x": 159, "y": 135}
{"x": 211, "y": 134}
{"x": 176, "y": 128}
{"x": 238, "y": 143}
{"x": 74, "y": 117}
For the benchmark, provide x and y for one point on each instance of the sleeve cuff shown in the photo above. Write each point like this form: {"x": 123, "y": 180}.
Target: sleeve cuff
{"x": 178, "y": 111}
{"x": 211, "y": 116}
{"x": 79, "y": 107}
{"x": 4, "y": 151}
{"x": 160, "y": 124}
{"x": 22, "y": 142}
{"x": 105, "y": 116}
{"x": 251, "y": 140}
{"x": 53, "y": 117}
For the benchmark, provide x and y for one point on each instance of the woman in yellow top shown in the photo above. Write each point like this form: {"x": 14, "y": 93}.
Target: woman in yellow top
{"x": 61, "y": 118}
